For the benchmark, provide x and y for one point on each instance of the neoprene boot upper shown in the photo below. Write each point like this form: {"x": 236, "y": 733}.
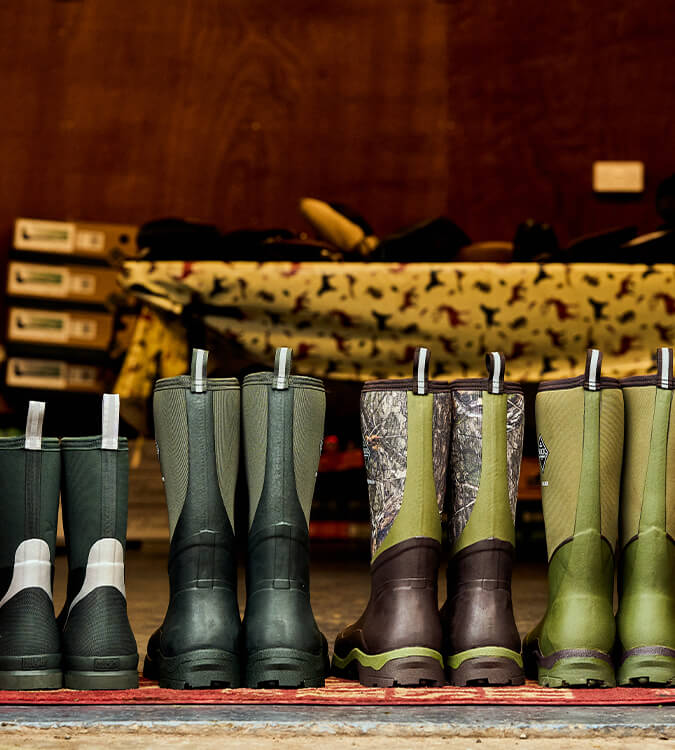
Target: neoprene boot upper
{"x": 482, "y": 645}
{"x": 99, "y": 648}
{"x": 398, "y": 639}
{"x": 283, "y": 417}
{"x": 580, "y": 427}
{"x": 197, "y": 432}
{"x": 645, "y": 650}
{"x": 30, "y": 468}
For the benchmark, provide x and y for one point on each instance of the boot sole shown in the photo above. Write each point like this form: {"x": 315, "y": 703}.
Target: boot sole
{"x": 286, "y": 668}
{"x": 647, "y": 667}
{"x": 120, "y": 680}
{"x": 203, "y": 668}
{"x": 487, "y": 665}
{"x": 404, "y": 667}
{"x": 31, "y": 679}
{"x": 581, "y": 668}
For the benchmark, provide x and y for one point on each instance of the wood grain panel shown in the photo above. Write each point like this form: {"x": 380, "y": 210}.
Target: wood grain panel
{"x": 230, "y": 111}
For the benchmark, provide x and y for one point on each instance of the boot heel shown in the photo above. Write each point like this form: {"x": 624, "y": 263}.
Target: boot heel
{"x": 118, "y": 680}
{"x": 486, "y": 666}
{"x": 286, "y": 668}
{"x": 203, "y": 668}
{"x": 403, "y": 667}
{"x": 593, "y": 670}
{"x": 647, "y": 668}
{"x": 31, "y": 679}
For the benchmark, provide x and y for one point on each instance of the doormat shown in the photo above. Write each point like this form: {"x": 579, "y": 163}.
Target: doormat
{"x": 339, "y": 692}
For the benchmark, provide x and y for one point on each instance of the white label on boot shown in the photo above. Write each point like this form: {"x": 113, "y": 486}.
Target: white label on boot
{"x": 32, "y": 569}
{"x": 105, "y": 567}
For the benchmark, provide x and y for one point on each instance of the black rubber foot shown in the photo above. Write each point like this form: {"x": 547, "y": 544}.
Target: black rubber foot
{"x": 31, "y": 679}
{"x": 121, "y": 680}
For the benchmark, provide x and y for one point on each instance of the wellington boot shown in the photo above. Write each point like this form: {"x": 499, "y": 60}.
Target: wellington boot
{"x": 580, "y": 442}
{"x": 406, "y": 431}
{"x": 283, "y": 418}
{"x": 30, "y": 470}
{"x": 197, "y": 431}
{"x": 646, "y": 619}
{"x": 99, "y": 649}
{"x": 482, "y": 645}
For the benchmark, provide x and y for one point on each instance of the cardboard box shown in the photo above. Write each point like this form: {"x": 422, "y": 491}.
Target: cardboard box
{"x": 84, "y": 284}
{"x": 76, "y": 238}
{"x": 68, "y": 328}
{"x": 53, "y": 374}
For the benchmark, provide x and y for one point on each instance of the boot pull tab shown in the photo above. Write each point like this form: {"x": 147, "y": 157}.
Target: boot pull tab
{"x": 34, "y": 420}
{"x": 496, "y": 364}
{"x": 110, "y": 421}
{"x": 421, "y": 371}
{"x": 664, "y": 367}
{"x": 592, "y": 372}
{"x": 282, "y": 368}
{"x": 198, "y": 370}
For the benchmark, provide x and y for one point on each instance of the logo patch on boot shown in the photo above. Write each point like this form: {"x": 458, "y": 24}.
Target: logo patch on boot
{"x": 543, "y": 453}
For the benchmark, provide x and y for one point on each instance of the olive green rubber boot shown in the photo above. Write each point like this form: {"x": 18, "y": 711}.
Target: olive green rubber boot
{"x": 481, "y": 641}
{"x": 283, "y": 418}
{"x": 30, "y": 471}
{"x": 406, "y": 435}
{"x": 197, "y": 431}
{"x": 580, "y": 442}
{"x": 646, "y": 618}
{"x": 99, "y": 648}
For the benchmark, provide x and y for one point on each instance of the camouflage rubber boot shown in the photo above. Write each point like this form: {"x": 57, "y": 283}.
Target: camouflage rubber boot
{"x": 646, "y": 616}
{"x": 99, "y": 649}
{"x": 30, "y": 470}
{"x": 580, "y": 439}
{"x": 197, "y": 431}
{"x": 406, "y": 430}
{"x": 283, "y": 430}
{"x": 482, "y": 645}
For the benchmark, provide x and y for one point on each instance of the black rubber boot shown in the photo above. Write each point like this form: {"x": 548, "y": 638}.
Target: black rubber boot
{"x": 30, "y": 468}
{"x": 197, "y": 431}
{"x": 283, "y": 430}
{"x": 99, "y": 649}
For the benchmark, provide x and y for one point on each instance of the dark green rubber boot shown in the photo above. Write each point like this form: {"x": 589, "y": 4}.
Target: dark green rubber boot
{"x": 99, "y": 649}
{"x": 30, "y": 471}
{"x": 283, "y": 428}
{"x": 197, "y": 431}
{"x": 646, "y": 616}
{"x": 580, "y": 443}
{"x": 482, "y": 645}
{"x": 406, "y": 435}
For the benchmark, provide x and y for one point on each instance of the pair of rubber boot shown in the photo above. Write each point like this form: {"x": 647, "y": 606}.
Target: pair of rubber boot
{"x": 607, "y": 464}
{"x": 90, "y": 645}
{"x": 412, "y": 430}
{"x": 202, "y": 642}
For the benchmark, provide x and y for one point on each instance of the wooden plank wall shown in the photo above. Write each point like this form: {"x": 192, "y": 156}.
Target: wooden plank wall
{"x": 229, "y": 110}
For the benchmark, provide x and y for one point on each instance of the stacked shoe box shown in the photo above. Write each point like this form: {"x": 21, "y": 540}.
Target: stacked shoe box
{"x": 60, "y": 283}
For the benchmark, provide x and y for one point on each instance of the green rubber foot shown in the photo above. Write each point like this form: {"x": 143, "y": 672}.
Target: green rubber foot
{"x": 645, "y": 670}
{"x": 578, "y": 671}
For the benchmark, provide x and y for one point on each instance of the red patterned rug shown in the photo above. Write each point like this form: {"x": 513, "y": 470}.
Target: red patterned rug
{"x": 346, "y": 693}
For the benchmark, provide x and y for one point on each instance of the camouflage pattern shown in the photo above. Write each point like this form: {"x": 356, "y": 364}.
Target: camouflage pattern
{"x": 515, "y": 430}
{"x": 384, "y": 426}
{"x": 466, "y": 454}
{"x": 441, "y": 424}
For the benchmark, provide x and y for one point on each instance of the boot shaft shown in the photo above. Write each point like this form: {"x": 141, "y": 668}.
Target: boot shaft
{"x": 197, "y": 434}
{"x": 283, "y": 417}
{"x": 30, "y": 475}
{"x": 648, "y": 482}
{"x": 405, "y": 426}
{"x": 580, "y": 427}
{"x": 487, "y": 448}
